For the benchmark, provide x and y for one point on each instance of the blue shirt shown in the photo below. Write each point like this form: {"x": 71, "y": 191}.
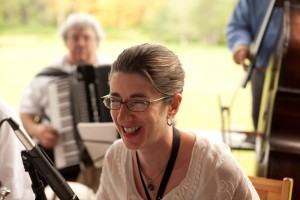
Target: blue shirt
{"x": 245, "y": 23}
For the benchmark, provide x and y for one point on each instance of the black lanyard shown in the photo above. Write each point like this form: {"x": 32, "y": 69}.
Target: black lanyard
{"x": 169, "y": 168}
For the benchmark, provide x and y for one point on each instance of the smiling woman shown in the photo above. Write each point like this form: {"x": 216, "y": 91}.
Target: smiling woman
{"x": 153, "y": 159}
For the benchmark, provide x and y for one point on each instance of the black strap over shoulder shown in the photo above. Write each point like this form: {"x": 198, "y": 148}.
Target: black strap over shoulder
{"x": 53, "y": 71}
{"x": 169, "y": 168}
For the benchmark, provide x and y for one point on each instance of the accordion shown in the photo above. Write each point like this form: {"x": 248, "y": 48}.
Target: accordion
{"x": 76, "y": 98}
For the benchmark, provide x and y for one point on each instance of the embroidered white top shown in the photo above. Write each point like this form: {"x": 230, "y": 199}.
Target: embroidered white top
{"x": 213, "y": 174}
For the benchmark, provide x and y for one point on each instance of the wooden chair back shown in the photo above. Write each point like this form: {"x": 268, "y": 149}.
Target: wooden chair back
{"x": 271, "y": 189}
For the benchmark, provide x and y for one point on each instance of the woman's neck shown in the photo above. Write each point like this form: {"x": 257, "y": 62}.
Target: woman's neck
{"x": 154, "y": 158}
{"x": 157, "y": 155}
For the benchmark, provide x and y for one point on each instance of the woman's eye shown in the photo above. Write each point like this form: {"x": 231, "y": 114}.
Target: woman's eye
{"x": 139, "y": 102}
{"x": 114, "y": 100}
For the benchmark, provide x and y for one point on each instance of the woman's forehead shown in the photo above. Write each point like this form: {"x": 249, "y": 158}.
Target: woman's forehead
{"x": 128, "y": 77}
{"x": 130, "y": 83}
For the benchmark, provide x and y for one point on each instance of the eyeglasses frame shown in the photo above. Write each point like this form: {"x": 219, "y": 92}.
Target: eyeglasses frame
{"x": 125, "y": 102}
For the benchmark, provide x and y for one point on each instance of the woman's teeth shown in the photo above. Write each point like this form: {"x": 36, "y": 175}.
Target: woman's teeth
{"x": 130, "y": 130}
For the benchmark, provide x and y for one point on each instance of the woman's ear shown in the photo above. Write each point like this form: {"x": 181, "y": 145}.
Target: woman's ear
{"x": 174, "y": 106}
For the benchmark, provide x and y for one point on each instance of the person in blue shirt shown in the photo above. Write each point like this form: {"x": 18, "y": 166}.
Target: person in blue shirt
{"x": 241, "y": 31}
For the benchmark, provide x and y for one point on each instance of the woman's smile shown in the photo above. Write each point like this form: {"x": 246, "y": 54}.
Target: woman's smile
{"x": 130, "y": 130}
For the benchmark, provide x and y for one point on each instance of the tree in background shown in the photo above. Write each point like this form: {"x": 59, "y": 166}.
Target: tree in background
{"x": 181, "y": 21}
{"x": 194, "y": 21}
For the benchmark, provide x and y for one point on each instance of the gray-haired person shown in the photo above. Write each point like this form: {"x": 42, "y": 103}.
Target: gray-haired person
{"x": 81, "y": 34}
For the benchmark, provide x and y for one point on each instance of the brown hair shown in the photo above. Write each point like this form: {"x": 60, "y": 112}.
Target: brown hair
{"x": 157, "y": 63}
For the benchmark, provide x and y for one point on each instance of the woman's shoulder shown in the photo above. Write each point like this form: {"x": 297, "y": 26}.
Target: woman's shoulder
{"x": 211, "y": 143}
{"x": 210, "y": 152}
{"x": 116, "y": 157}
{"x": 116, "y": 150}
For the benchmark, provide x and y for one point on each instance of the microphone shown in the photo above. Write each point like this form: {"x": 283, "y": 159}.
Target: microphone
{"x": 43, "y": 165}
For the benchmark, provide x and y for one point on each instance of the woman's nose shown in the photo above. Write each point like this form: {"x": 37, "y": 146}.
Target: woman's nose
{"x": 124, "y": 114}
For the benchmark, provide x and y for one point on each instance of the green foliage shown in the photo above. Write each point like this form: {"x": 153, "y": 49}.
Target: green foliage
{"x": 37, "y": 30}
{"x": 25, "y": 12}
{"x": 193, "y": 21}
{"x": 179, "y": 21}
{"x": 212, "y": 17}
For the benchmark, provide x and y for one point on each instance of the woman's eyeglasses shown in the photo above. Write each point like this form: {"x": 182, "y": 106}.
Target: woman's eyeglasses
{"x": 132, "y": 105}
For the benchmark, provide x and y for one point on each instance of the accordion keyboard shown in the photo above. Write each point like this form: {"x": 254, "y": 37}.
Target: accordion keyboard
{"x": 66, "y": 152}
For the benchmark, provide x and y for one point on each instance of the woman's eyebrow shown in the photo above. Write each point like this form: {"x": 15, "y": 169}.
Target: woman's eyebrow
{"x": 114, "y": 94}
{"x": 137, "y": 95}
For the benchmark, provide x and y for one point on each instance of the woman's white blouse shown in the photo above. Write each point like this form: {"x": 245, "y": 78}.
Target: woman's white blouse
{"x": 213, "y": 174}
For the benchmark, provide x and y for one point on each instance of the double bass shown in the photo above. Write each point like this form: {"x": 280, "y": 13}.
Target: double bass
{"x": 278, "y": 150}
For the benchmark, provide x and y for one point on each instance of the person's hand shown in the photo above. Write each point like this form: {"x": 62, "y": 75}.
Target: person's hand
{"x": 46, "y": 135}
{"x": 241, "y": 56}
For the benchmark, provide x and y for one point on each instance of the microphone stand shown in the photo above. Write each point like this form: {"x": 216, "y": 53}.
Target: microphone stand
{"x": 43, "y": 165}
{"x": 37, "y": 185}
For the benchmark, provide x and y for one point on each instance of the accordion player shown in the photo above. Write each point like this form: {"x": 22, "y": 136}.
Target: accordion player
{"x": 71, "y": 98}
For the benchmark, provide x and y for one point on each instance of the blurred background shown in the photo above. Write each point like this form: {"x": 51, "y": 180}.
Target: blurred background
{"x": 193, "y": 29}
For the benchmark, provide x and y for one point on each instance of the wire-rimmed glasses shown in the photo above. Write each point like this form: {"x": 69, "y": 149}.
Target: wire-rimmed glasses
{"x": 133, "y": 105}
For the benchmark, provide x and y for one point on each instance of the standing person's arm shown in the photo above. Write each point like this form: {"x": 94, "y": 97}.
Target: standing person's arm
{"x": 238, "y": 32}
